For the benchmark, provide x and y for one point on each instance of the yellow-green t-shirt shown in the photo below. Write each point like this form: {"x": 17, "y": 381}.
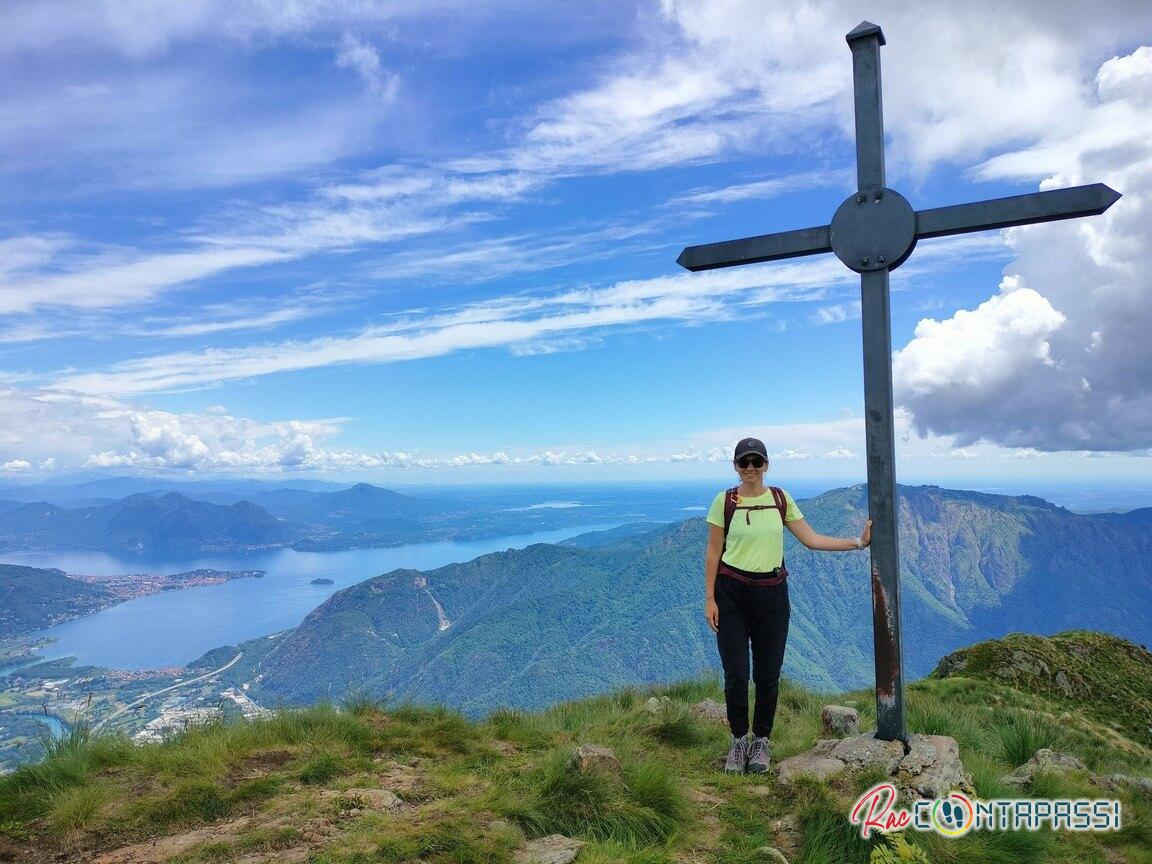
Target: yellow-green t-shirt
{"x": 755, "y": 537}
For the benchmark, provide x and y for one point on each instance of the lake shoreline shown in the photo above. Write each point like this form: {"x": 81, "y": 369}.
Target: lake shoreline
{"x": 170, "y": 628}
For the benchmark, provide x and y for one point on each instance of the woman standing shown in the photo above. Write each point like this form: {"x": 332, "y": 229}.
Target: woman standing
{"x": 746, "y": 595}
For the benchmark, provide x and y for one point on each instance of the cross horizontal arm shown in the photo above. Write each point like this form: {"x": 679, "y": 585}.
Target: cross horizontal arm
{"x": 752, "y": 250}
{"x": 1018, "y": 210}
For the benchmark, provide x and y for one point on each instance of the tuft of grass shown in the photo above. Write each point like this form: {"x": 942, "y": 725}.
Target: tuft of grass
{"x": 69, "y": 762}
{"x": 449, "y": 841}
{"x": 1054, "y": 784}
{"x": 626, "y": 698}
{"x": 643, "y": 804}
{"x": 797, "y": 699}
{"x": 193, "y": 801}
{"x": 828, "y": 835}
{"x": 706, "y": 685}
{"x": 74, "y": 808}
{"x": 531, "y": 731}
{"x": 320, "y": 767}
{"x": 745, "y": 829}
{"x": 1020, "y": 737}
{"x": 989, "y": 847}
{"x": 674, "y": 725}
{"x": 440, "y": 728}
{"x": 360, "y": 704}
{"x": 986, "y": 774}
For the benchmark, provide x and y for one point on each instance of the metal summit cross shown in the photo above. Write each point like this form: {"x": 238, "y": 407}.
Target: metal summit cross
{"x": 873, "y": 232}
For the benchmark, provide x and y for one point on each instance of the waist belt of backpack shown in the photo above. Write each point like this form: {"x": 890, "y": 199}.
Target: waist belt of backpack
{"x": 748, "y": 577}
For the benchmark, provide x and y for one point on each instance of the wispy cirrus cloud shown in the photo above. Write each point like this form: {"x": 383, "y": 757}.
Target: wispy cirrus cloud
{"x": 523, "y": 323}
{"x": 767, "y": 188}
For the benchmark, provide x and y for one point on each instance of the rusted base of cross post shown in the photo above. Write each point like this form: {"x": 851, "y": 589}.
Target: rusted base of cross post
{"x": 882, "y": 505}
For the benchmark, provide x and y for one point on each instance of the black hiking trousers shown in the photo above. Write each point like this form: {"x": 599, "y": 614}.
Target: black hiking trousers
{"x": 756, "y": 615}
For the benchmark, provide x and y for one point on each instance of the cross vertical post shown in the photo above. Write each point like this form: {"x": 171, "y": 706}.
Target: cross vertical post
{"x": 880, "y": 437}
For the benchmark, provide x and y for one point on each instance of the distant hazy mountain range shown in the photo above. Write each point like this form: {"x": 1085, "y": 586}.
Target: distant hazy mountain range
{"x": 143, "y": 522}
{"x": 550, "y": 622}
{"x": 252, "y": 517}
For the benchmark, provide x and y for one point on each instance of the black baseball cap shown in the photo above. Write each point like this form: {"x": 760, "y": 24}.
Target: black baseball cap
{"x": 747, "y": 446}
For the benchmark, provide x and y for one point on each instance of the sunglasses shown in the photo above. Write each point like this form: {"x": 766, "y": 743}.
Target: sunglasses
{"x": 750, "y": 462}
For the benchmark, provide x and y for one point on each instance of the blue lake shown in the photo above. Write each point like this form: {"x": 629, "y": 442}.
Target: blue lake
{"x": 175, "y": 627}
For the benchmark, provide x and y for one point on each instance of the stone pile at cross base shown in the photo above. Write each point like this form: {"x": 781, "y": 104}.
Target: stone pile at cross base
{"x": 931, "y": 767}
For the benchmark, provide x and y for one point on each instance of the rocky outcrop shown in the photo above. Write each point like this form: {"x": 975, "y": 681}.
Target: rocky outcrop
{"x": 1043, "y": 759}
{"x": 931, "y": 767}
{"x": 1064, "y": 763}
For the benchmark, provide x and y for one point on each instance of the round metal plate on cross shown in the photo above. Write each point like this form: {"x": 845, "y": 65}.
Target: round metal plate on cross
{"x": 873, "y": 229}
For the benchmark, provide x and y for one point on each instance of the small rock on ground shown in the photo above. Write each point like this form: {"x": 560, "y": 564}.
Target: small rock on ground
{"x": 1046, "y": 759}
{"x": 656, "y": 705}
{"x": 839, "y": 721}
{"x": 553, "y": 849}
{"x": 771, "y": 853}
{"x": 589, "y": 756}
{"x": 711, "y": 710}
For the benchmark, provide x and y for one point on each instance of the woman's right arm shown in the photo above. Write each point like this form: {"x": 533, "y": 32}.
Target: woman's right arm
{"x": 711, "y": 563}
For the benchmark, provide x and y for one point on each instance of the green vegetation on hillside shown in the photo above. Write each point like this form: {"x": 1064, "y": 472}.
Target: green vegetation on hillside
{"x": 316, "y": 785}
{"x": 1102, "y": 676}
{"x": 34, "y": 598}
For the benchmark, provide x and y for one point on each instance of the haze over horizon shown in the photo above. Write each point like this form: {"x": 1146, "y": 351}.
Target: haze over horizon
{"x": 437, "y": 245}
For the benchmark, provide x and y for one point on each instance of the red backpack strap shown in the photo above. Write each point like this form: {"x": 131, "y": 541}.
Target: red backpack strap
{"x": 730, "y": 501}
{"x": 782, "y": 505}
{"x": 781, "y": 502}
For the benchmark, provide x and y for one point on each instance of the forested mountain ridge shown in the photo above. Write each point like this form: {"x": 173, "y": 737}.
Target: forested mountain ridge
{"x": 33, "y": 597}
{"x": 531, "y": 626}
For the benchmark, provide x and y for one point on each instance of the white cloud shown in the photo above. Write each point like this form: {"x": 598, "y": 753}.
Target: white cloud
{"x": 101, "y": 433}
{"x": 1004, "y": 338}
{"x": 835, "y": 314}
{"x": 954, "y": 88}
{"x": 361, "y": 57}
{"x": 767, "y": 188}
{"x": 1060, "y": 359}
{"x": 115, "y": 277}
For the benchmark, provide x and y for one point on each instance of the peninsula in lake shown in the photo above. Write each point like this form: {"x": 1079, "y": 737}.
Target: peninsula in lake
{"x": 36, "y": 597}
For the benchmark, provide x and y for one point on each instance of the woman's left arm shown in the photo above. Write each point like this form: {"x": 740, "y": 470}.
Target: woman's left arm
{"x": 804, "y": 533}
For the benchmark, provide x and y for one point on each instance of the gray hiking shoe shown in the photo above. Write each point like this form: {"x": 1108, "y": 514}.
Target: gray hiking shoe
{"x": 759, "y": 756}
{"x": 737, "y": 757}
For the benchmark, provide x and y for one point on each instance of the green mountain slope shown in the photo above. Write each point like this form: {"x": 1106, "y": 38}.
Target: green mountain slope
{"x": 1101, "y": 676}
{"x": 32, "y": 598}
{"x": 532, "y": 626}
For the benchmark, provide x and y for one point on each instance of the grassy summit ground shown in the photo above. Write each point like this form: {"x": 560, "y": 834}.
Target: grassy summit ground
{"x": 317, "y": 785}
{"x": 1103, "y": 677}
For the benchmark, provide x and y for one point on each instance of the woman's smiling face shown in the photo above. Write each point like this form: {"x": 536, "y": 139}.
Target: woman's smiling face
{"x": 752, "y": 469}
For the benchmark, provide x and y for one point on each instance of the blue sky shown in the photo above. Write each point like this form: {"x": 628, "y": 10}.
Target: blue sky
{"x": 355, "y": 240}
